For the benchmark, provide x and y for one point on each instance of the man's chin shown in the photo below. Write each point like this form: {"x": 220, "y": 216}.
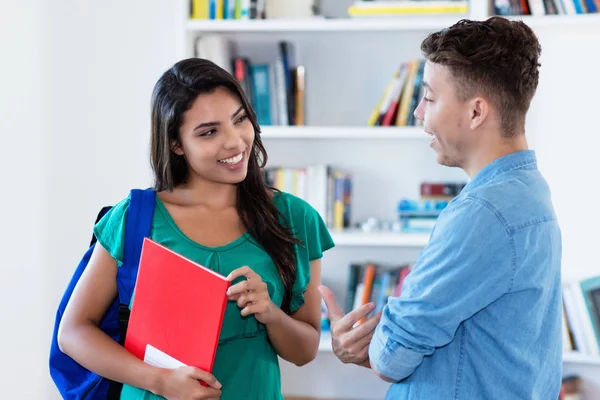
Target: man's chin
{"x": 446, "y": 161}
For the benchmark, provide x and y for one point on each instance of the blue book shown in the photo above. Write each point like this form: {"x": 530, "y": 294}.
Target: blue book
{"x": 261, "y": 93}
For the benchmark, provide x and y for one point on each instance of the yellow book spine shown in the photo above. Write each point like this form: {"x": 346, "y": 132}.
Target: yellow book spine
{"x": 361, "y": 11}
{"x": 300, "y": 95}
{"x": 280, "y": 179}
{"x": 375, "y": 112}
{"x": 220, "y": 10}
{"x": 407, "y": 94}
{"x": 338, "y": 201}
{"x": 199, "y": 9}
{"x": 338, "y": 215}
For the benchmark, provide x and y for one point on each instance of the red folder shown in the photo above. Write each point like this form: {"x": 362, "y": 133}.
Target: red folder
{"x": 177, "y": 311}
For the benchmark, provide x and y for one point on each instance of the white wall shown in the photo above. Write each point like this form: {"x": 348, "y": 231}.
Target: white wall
{"x": 75, "y": 86}
{"x": 563, "y": 128}
{"x": 76, "y": 80}
{"x": 23, "y": 221}
{"x": 106, "y": 57}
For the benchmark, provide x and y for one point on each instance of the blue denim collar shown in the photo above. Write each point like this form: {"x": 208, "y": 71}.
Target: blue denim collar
{"x": 524, "y": 159}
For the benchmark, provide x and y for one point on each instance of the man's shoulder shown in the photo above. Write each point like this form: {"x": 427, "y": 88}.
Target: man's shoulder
{"x": 518, "y": 199}
{"x": 467, "y": 214}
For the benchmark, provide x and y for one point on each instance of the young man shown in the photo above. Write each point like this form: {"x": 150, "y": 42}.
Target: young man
{"x": 480, "y": 313}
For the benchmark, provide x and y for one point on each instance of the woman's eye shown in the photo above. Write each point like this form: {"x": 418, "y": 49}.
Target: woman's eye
{"x": 241, "y": 119}
{"x": 208, "y": 133}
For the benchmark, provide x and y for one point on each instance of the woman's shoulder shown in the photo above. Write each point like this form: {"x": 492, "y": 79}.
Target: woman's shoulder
{"x": 304, "y": 220}
{"x": 110, "y": 230}
{"x": 292, "y": 204}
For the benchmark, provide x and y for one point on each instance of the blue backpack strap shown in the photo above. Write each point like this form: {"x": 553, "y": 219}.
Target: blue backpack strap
{"x": 137, "y": 227}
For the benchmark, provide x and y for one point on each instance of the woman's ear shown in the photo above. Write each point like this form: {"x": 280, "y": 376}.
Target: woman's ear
{"x": 176, "y": 147}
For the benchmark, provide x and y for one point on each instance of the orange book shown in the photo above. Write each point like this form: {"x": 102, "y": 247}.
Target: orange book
{"x": 368, "y": 282}
{"x": 300, "y": 79}
{"x": 177, "y": 310}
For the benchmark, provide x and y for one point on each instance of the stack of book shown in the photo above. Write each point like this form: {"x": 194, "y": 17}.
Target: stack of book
{"x": 401, "y": 97}
{"x": 421, "y": 215}
{"x": 581, "y": 316}
{"x": 546, "y": 7}
{"x": 252, "y": 9}
{"x": 371, "y": 282}
{"x": 227, "y": 9}
{"x": 327, "y": 189}
{"x": 275, "y": 86}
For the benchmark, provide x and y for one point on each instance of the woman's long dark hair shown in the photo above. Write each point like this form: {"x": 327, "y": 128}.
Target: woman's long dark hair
{"x": 173, "y": 95}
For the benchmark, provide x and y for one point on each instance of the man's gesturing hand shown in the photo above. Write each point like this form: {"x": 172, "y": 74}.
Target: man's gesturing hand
{"x": 350, "y": 344}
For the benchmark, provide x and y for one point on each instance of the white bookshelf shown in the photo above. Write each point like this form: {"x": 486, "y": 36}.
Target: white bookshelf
{"x": 357, "y": 238}
{"x": 319, "y": 25}
{"x": 370, "y": 24}
{"x": 348, "y": 64}
{"x": 343, "y": 132}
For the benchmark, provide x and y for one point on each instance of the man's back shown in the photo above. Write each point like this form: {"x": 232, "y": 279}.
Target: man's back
{"x": 480, "y": 314}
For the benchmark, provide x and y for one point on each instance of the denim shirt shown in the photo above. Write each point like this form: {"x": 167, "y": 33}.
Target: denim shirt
{"x": 479, "y": 316}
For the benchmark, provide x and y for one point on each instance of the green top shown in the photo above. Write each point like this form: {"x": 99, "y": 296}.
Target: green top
{"x": 246, "y": 363}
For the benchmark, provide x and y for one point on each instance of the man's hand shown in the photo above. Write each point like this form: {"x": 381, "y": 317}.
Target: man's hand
{"x": 350, "y": 344}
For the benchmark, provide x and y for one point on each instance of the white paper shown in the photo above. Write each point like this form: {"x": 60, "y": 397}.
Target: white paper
{"x": 157, "y": 358}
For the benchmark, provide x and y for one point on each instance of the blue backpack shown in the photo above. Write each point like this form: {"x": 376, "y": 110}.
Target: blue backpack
{"x": 73, "y": 381}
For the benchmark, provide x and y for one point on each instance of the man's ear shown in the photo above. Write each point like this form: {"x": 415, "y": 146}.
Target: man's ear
{"x": 479, "y": 111}
{"x": 176, "y": 147}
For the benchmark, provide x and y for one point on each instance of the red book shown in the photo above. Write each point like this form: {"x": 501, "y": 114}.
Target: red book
{"x": 177, "y": 310}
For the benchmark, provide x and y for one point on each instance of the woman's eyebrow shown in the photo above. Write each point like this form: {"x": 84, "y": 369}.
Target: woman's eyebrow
{"x": 216, "y": 123}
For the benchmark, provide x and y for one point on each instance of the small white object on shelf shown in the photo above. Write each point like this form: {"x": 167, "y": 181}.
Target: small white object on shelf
{"x": 325, "y": 342}
{"x": 289, "y": 9}
{"x": 389, "y": 239}
{"x": 343, "y": 132}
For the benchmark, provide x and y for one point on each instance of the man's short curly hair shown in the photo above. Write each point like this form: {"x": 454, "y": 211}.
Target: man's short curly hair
{"x": 496, "y": 58}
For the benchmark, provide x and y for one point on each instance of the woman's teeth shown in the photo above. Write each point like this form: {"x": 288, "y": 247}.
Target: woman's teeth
{"x": 232, "y": 160}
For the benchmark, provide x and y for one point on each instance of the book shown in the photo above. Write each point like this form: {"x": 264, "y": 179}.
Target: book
{"x": 177, "y": 310}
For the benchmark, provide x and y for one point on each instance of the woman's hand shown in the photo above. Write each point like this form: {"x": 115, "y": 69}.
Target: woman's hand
{"x": 184, "y": 384}
{"x": 252, "y": 296}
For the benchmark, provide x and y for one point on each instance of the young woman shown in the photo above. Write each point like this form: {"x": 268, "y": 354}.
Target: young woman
{"x": 213, "y": 207}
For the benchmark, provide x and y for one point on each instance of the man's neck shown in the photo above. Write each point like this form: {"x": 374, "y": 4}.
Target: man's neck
{"x": 483, "y": 157}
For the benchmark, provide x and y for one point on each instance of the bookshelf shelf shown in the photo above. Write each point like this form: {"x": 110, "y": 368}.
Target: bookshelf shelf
{"x": 318, "y": 24}
{"x": 343, "y": 132}
{"x": 322, "y": 24}
{"x": 571, "y": 357}
{"x": 390, "y": 239}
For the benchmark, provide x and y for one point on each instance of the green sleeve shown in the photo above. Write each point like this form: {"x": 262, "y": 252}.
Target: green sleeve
{"x": 110, "y": 230}
{"x": 307, "y": 226}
